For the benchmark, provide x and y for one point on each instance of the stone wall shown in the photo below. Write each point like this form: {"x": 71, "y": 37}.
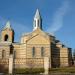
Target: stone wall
{"x": 29, "y": 63}
{"x": 24, "y": 63}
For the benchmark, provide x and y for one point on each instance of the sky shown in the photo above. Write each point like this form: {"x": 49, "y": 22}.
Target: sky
{"x": 58, "y": 18}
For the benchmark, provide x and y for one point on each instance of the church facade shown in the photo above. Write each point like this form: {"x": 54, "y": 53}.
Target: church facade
{"x": 33, "y": 47}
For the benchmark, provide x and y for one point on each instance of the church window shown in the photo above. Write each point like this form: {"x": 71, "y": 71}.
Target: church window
{"x": 42, "y": 51}
{"x": 3, "y": 54}
{"x": 38, "y": 23}
{"x": 35, "y": 23}
{"x": 6, "y": 38}
{"x": 33, "y": 51}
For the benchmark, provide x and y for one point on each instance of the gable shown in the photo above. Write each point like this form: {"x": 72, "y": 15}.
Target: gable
{"x": 38, "y": 39}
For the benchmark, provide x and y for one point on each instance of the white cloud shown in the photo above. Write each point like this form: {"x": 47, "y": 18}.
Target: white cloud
{"x": 2, "y": 22}
{"x": 57, "y": 22}
{"x": 19, "y": 29}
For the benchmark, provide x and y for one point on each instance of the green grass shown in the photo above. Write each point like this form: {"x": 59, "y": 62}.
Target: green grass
{"x": 29, "y": 70}
{"x": 41, "y": 70}
{"x": 64, "y": 69}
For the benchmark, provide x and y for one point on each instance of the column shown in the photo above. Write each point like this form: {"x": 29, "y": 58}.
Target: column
{"x": 11, "y": 64}
{"x": 46, "y": 65}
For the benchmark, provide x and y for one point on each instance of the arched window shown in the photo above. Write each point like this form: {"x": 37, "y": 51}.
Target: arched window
{"x": 34, "y": 23}
{"x": 33, "y": 51}
{"x": 42, "y": 51}
{"x": 38, "y": 23}
{"x": 6, "y": 37}
{"x": 3, "y": 54}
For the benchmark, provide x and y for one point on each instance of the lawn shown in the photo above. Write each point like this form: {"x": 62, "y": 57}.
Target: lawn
{"x": 63, "y": 69}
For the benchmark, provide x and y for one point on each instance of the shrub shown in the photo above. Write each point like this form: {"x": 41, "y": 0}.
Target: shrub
{"x": 64, "y": 69}
{"x": 28, "y": 70}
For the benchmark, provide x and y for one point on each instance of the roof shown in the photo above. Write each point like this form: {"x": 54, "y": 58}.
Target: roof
{"x": 8, "y": 26}
{"x": 37, "y": 14}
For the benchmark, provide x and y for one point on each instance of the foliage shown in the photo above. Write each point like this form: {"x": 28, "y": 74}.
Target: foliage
{"x": 64, "y": 69}
{"x": 28, "y": 70}
{"x": 3, "y": 69}
{"x": 41, "y": 70}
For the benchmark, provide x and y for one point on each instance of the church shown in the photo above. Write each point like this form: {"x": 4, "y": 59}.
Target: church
{"x": 33, "y": 48}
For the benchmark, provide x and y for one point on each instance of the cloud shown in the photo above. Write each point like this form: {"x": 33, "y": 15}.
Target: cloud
{"x": 19, "y": 29}
{"x": 57, "y": 22}
{"x": 2, "y": 22}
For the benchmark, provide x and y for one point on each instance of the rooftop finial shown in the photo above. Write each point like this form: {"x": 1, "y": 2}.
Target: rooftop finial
{"x": 7, "y": 25}
{"x": 37, "y": 23}
{"x": 37, "y": 15}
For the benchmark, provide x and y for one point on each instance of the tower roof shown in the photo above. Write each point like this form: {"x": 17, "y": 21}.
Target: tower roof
{"x": 37, "y": 14}
{"x": 8, "y": 25}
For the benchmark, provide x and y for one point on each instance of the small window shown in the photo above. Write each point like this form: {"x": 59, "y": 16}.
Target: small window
{"x": 3, "y": 54}
{"x": 38, "y": 23}
{"x": 35, "y": 23}
{"x": 33, "y": 51}
{"x": 6, "y": 38}
{"x": 42, "y": 51}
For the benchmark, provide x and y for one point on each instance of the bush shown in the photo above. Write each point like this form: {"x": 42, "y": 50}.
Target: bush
{"x": 28, "y": 70}
{"x": 65, "y": 69}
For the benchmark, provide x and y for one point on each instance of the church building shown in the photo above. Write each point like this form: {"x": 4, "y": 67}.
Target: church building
{"x": 33, "y": 48}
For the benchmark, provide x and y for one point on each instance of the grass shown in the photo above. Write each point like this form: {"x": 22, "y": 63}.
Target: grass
{"x": 28, "y": 70}
{"x": 63, "y": 69}
{"x": 41, "y": 70}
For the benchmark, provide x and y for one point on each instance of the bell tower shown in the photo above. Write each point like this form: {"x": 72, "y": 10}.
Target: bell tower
{"x": 7, "y": 34}
{"x": 37, "y": 23}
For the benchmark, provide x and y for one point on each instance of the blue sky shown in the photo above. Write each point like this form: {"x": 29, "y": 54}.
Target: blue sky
{"x": 58, "y": 17}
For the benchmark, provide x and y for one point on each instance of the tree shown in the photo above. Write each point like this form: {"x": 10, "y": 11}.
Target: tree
{"x": 74, "y": 55}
